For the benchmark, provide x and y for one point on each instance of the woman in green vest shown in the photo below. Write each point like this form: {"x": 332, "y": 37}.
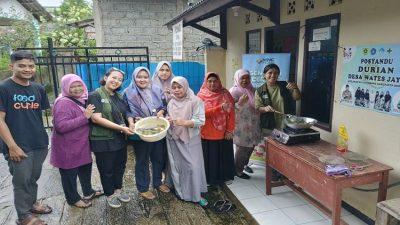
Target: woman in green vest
{"x": 108, "y": 136}
{"x": 272, "y": 96}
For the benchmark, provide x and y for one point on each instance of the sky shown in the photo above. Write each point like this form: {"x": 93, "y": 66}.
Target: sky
{"x": 53, "y": 3}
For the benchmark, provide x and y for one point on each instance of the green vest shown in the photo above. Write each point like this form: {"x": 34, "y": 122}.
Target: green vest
{"x": 98, "y": 132}
{"x": 267, "y": 120}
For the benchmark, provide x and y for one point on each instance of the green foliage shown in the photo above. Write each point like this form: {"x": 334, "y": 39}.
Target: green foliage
{"x": 66, "y": 36}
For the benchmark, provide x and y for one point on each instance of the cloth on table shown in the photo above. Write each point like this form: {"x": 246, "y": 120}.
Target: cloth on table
{"x": 339, "y": 169}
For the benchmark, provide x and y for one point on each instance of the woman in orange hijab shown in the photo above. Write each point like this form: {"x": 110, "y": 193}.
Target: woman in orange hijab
{"x": 217, "y": 132}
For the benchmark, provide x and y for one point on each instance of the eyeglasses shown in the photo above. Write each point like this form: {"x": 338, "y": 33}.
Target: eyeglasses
{"x": 116, "y": 69}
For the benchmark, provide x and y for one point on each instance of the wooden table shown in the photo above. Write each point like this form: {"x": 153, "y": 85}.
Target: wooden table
{"x": 306, "y": 175}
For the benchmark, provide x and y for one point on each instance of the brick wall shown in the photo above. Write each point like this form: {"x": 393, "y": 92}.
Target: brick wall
{"x": 132, "y": 23}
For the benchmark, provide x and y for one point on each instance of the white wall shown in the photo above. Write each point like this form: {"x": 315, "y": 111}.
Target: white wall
{"x": 8, "y": 5}
{"x": 362, "y": 22}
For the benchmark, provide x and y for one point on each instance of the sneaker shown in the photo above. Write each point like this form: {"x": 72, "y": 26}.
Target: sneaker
{"x": 243, "y": 176}
{"x": 248, "y": 169}
{"x": 123, "y": 197}
{"x": 113, "y": 201}
{"x": 163, "y": 188}
{"x": 203, "y": 202}
{"x": 148, "y": 195}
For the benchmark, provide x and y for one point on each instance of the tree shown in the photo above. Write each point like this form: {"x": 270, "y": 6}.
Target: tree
{"x": 63, "y": 35}
{"x": 21, "y": 31}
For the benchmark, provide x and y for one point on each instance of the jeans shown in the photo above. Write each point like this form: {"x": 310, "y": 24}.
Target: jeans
{"x": 157, "y": 153}
{"x": 25, "y": 174}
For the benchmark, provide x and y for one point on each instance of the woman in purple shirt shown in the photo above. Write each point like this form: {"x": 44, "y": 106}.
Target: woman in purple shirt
{"x": 70, "y": 150}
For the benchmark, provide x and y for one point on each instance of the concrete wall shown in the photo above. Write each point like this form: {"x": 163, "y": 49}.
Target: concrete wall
{"x": 141, "y": 23}
{"x": 362, "y": 22}
{"x": 10, "y": 5}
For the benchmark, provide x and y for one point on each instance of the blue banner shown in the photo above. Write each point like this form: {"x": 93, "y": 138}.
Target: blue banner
{"x": 255, "y": 64}
{"x": 371, "y": 77}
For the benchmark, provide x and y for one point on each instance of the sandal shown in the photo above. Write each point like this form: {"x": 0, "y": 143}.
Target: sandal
{"x": 219, "y": 204}
{"x": 30, "y": 220}
{"x": 38, "y": 208}
{"x": 82, "y": 204}
{"x": 225, "y": 208}
{"x": 95, "y": 194}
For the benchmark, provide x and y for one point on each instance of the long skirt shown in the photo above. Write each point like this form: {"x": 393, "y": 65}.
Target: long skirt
{"x": 218, "y": 160}
{"x": 187, "y": 168}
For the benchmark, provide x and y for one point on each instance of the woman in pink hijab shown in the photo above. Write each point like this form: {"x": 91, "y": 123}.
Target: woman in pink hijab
{"x": 185, "y": 154}
{"x": 70, "y": 150}
{"x": 247, "y": 132}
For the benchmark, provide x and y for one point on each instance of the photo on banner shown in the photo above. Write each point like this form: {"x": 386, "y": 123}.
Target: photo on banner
{"x": 255, "y": 64}
{"x": 371, "y": 78}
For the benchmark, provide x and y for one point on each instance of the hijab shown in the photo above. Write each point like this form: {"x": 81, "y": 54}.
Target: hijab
{"x": 143, "y": 101}
{"x": 163, "y": 84}
{"x": 216, "y": 98}
{"x": 181, "y": 108}
{"x": 66, "y": 82}
{"x": 237, "y": 90}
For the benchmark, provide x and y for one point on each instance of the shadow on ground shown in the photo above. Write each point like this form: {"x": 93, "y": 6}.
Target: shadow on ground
{"x": 165, "y": 209}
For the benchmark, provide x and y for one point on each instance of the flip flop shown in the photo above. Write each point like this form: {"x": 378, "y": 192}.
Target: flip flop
{"x": 219, "y": 204}
{"x": 95, "y": 194}
{"x": 41, "y": 208}
{"x": 30, "y": 220}
{"x": 224, "y": 208}
{"x": 87, "y": 204}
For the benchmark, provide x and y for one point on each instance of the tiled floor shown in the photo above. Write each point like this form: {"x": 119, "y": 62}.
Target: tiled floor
{"x": 283, "y": 207}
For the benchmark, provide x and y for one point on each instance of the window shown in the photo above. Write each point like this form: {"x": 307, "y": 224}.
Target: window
{"x": 321, "y": 43}
{"x": 253, "y": 42}
{"x": 284, "y": 39}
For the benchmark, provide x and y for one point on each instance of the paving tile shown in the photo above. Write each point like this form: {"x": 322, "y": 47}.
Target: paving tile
{"x": 246, "y": 192}
{"x": 286, "y": 199}
{"x": 258, "y": 204}
{"x": 275, "y": 217}
{"x": 302, "y": 214}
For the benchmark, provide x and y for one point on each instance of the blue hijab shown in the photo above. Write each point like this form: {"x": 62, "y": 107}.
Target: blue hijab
{"x": 143, "y": 102}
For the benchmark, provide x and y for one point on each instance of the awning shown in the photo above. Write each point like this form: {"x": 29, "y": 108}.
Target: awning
{"x": 36, "y": 9}
{"x": 205, "y": 9}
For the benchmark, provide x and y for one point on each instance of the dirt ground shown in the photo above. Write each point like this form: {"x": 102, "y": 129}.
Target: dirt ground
{"x": 165, "y": 209}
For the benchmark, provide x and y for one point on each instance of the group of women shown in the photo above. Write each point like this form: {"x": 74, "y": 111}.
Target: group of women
{"x": 198, "y": 149}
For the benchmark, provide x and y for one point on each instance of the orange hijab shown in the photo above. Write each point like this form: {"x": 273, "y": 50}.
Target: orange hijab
{"x": 216, "y": 98}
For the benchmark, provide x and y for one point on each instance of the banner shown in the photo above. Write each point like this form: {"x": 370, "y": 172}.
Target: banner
{"x": 255, "y": 64}
{"x": 177, "y": 41}
{"x": 371, "y": 78}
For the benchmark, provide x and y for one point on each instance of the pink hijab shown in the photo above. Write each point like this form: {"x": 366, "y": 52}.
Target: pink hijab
{"x": 237, "y": 90}
{"x": 66, "y": 82}
{"x": 216, "y": 98}
{"x": 181, "y": 108}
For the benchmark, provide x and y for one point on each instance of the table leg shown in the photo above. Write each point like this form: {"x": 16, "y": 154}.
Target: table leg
{"x": 383, "y": 186}
{"x": 337, "y": 206}
{"x": 268, "y": 177}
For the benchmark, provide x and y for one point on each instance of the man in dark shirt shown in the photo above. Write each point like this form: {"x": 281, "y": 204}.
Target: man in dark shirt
{"x": 21, "y": 129}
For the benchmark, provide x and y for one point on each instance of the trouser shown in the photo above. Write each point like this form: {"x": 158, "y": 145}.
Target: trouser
{"x": 157, "y": 153}
{"x": 69, "y": 184}
{"x": 111, "y": 167}
{"x": 242, "y": 156}
{"x": 25, "y": 175}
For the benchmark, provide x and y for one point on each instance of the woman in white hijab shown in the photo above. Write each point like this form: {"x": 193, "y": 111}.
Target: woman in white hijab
{"x": 163, "y": 76}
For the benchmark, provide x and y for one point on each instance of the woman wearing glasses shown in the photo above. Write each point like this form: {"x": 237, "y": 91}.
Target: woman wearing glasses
{"x": 145, "y": 99}
{"x": 107, "y": 136}
{"x": 163, "y": 76}
{"x": 217, "y": 132}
